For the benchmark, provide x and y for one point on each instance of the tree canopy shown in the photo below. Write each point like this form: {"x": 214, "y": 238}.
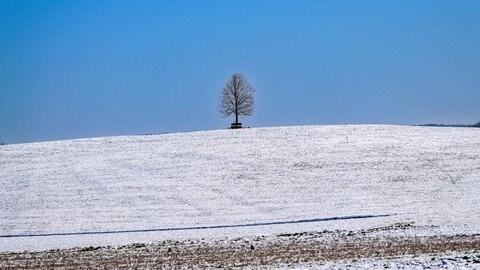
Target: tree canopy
{"x": 236, "y": 97}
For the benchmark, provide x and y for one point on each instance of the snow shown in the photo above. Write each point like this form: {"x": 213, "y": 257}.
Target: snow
{"x": 452, "y": 260}
{"x": 426, "y": 175}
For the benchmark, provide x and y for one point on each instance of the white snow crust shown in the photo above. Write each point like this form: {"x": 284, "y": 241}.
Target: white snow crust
{"x": 451, "y": 260}
{"x": 426, "y": 175}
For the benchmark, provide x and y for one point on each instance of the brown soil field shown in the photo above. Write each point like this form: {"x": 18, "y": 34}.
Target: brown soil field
{"x": 276, "y": 250}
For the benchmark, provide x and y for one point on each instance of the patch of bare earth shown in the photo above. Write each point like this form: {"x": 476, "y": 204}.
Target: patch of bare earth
{"x": 278, "y": 250}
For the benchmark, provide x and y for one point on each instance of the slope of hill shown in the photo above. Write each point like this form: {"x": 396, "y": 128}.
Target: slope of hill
{"x": 237, "y": 182}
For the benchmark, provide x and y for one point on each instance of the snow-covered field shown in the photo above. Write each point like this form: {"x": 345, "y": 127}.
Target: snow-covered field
{"x": 425, "y": 175}
{"x": 441, "y": 261}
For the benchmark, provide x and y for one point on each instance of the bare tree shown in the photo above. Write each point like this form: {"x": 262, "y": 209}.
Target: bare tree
{"x": 236, "y": 98}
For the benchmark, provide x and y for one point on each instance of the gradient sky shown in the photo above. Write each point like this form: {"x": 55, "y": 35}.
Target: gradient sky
{"x": 73, "y": 69}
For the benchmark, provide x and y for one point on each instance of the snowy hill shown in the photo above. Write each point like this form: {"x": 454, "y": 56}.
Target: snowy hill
{"x": 258, "y": 176}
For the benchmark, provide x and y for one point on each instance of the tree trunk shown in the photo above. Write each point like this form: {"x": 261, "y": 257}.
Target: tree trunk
{"x": 236, "y": 118}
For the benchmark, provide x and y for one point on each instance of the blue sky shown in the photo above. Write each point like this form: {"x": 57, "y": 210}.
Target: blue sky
{"x": 73, "y": 69}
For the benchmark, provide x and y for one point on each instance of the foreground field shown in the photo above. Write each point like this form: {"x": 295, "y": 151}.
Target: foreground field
{"x": 357, "y": 250}
{"x": 116, "y": 191}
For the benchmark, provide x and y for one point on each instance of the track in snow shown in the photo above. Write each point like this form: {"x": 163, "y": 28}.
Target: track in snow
{"x": 198, "y": 227}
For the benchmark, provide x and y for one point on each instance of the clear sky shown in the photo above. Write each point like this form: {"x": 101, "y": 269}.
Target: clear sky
{"x": 73, "y": 69}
